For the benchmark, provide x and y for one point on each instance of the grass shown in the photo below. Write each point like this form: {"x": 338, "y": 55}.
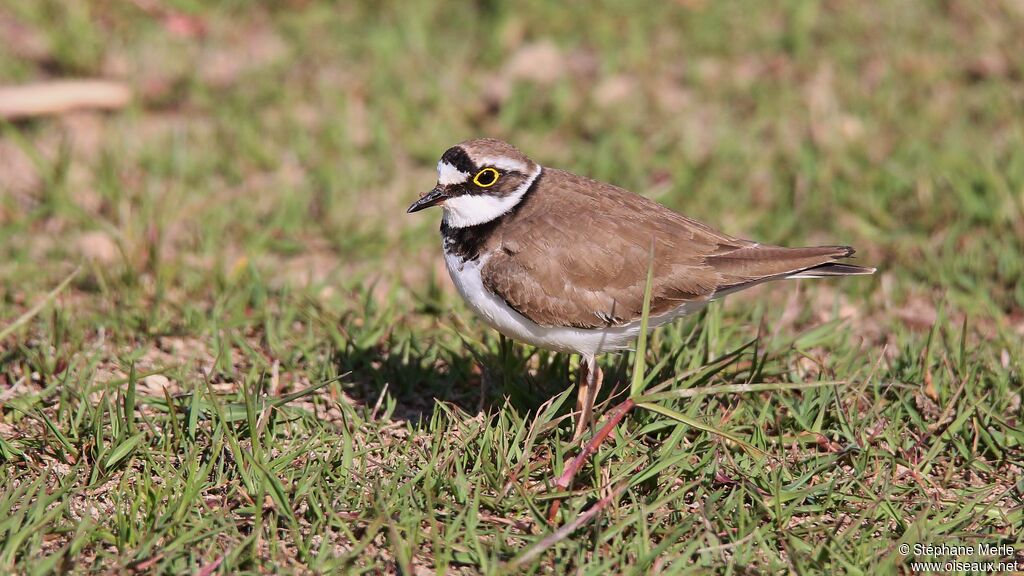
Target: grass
{"x": 240, "y": 241}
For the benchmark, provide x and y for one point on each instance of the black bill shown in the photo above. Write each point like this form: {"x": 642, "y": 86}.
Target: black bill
{"x": 432, "y": 198}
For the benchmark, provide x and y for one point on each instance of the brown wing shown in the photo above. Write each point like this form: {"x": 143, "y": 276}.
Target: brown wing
{"x": 576, "y": 253}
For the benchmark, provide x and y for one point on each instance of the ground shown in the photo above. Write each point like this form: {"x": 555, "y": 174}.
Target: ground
{"x": 257, "y": 362}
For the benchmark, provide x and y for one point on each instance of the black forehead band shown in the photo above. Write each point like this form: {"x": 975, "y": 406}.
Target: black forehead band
{"x": 458, "y": 158}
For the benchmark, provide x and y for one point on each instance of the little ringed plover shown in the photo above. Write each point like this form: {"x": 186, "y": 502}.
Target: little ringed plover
{"x": 560, "y": 261}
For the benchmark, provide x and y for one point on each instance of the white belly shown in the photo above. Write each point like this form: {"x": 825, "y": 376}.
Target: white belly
{"x": 497, "y": 314}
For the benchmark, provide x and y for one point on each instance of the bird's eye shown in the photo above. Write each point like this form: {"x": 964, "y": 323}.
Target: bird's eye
{"x": 486, "y": 177}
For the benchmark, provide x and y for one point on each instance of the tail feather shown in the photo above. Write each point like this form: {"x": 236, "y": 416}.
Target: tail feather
{"x": 833, "y": 269}
{"x": 758, "y": 263}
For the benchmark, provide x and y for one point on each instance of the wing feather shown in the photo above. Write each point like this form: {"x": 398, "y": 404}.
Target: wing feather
{"x": 576, "y": 254}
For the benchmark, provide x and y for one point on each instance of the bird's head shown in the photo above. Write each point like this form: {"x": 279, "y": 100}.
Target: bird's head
{"x": 478, "y": 181}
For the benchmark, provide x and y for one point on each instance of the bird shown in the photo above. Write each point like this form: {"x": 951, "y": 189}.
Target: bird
{"x": 560, "y": 261}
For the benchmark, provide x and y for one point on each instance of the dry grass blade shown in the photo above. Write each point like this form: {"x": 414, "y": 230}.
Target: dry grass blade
{"x": 33, "y": 311}
{"x": 211, "y": 567}
{"x": 562, "y": 533}
{"x": 60, "y": 97}
{"x": 565, "y": 480}
{"x": 738, "y": 389}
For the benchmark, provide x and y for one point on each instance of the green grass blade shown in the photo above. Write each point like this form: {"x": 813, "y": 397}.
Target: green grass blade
{"x": 684, "y": 419}
{"x": 8, "y": 451}
{"x": 639, "y": 365}
{"x": 122, "y": 450}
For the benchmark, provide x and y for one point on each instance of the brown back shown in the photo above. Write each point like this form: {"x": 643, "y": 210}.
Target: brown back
{"x": 576, "y": 253}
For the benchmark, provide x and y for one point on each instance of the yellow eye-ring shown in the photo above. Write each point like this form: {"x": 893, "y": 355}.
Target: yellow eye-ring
{"x": 486, "y": 178}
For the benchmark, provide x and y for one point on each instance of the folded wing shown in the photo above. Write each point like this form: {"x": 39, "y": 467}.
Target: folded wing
{"x": 583, "y": 262}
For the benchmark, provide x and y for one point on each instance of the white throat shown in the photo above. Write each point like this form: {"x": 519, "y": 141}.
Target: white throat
{"x": 473, "y": 209}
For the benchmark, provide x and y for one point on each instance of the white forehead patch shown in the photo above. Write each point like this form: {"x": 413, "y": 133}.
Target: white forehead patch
{"x": 448, "y": 174}
{"x": 472, "y": 209}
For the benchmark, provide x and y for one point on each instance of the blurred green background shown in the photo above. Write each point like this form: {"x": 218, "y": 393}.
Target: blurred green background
{"x": 240, "y": 228}
{"x": 301, "y": 128}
